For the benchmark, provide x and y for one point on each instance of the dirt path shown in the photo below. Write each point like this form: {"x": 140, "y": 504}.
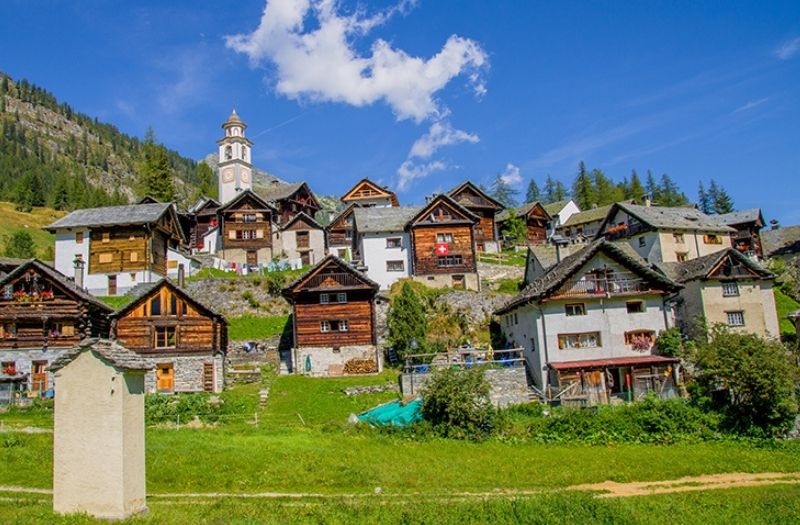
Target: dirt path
{"x": 606, "y": 489}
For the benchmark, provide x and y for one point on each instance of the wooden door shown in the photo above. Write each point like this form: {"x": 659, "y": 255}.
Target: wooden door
{"x": 594, "y": 385}
{"x": 252, "y": 258}
{"x": 165, "y": 377}
{"x": 112, "y": 285}
{"x": 39, "y": 376}
{"x": 208, "y": 377}
{"x": 305, "y": 258}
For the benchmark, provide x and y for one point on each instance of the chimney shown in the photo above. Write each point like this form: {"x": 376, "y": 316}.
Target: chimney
{"x": 181, "y": 276}
{"x": 78, "y": 265}
{"x": 646, "y": 200}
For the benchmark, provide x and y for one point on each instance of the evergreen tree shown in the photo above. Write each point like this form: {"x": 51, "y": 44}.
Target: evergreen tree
{"x": 19, "y": 245}
{"x": 534, "y": 194}
{"x": 583, "y": 189}
{"x": 703, "y": 199}
{"x": 206, "y": 180}
{"x": 60, "y": 194}
{"x": 652, "y": 187}
{"x": 503, "y": 193}
{"x": 514, "y": 230}
{"x": 634, "y": 188}
{"x": 155, "y": 172}
{"x": 721, "y": 202}
{"x": 606, "y": 192}
{"x": 671, "y": 195}
{"x": 554, "y": 190}
{"x": 408, "y": 322}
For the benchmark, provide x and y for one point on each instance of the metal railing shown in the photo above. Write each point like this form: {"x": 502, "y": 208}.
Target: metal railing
{"x": 464, "y": 358}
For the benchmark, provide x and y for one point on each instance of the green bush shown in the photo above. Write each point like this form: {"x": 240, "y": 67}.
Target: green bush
{"x": 456, "y": 402}
{"x": 669, "y": 342}
{"x": 181, "y": 408}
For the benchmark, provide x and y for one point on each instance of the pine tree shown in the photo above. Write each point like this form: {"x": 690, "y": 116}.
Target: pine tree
{"x": 155, "y": 172}
{"x": 652, "y": 187}
{"x": 19, "y": 245}
{"x": 703, "y": 199}
{"x": 606, "y": 192}
{"x": 634, "y": 188}
{"x": 583, "y": 189}
{"x": 514, "y": 230}
{"x": 721, "y": 202}
{"x": 205, "y": 179}
{"x": 554, "y": 190}
{"x": 408, "y": 322}
{"x": 503, "y": 193}
{"x": 534, "y": 194}
{"x": 671, "y": 195}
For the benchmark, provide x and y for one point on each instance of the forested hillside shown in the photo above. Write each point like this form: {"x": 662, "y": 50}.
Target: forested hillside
{"x": 51, "y": 155}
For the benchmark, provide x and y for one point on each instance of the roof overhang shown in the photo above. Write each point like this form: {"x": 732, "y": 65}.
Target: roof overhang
{"x": 613, "y": 362}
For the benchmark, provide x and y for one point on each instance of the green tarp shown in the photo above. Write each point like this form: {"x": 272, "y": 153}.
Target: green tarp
{"x": 394, "y": 414}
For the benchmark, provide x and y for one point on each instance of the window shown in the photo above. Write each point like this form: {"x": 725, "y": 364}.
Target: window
{"x": 172, "y": 264}
{"x": 343, "y": 325}
{"x": 712, "y": 239}
{"x": 324, "y": 298}
{"x": 341, "y": 298}
{"x": 9, "y": 330}
{"x": 228, "y": 152}
{"x": 735, "y": 318}
{"x": 730, "y": 289}
{"x": 134, "y": 256}
{"x": 106, "y": 237}
{"x": 62, "y": 330}
{"x": 449, "y": 260}
{"x": 165, "y": 337}
{"x": 444, "y": 237}
{"x": 681, "y": 256}
{"x": 394, "y": 242}
{"x": 78, "y": 237}
{"x": 575, "y": 309}
{"x": 133, "y": 277}
{"x": 105, "y": 258}
{"x": 173, "y": 306}
{"x": 586, "y": 340}
{"x": 642, "y": 242}
{"x": 516, "y": 319}
{"x": 395, "y": 266}
{"x": 249, "y": 217}
{"x": 324, "y": 326}
{"x": 640, "y": 339}
{"x": 155, "y": 306}
{"x": 634, "y": 307}
{"x": 9, "y": 368}
{"x": 348, "y": 234}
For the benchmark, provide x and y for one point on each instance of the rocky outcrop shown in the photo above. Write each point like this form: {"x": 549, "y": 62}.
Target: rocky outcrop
{"x": 476, "y": 307}
{"x": 235, "y": 297}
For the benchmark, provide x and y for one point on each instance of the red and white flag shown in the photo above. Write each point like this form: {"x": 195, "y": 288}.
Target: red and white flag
{"x": 442, "y": 249}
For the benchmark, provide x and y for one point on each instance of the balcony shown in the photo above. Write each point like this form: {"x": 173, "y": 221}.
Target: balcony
{"x": 608, "y": 286}
{"x": 333, "y": 280}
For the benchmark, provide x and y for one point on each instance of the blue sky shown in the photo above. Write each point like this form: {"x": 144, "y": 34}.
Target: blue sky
{"x": 421, "y": 95}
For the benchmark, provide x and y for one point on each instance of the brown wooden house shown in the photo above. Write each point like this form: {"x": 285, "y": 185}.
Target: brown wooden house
{"x": 485, "y": 208}
{"x": 339, "y": 233}
{"x": 42, "y": 313}
{"x": 200, "y": 220}
{"x": 291, "y": 199}
{"x": 748, "y": 225}
{"x": 186, "y": 340}
{"x": 536, "y": 221}
{"x": 333, "y": 320}
{"x": 366, "y": 194}
{"x": 443, "y": 245}
{"x": 245, "y": 225}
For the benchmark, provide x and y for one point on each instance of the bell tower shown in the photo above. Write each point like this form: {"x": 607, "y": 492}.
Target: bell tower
{"x": 235, "y": 170}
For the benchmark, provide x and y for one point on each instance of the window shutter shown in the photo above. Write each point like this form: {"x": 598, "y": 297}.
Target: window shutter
{"x": 259, "y": 233}
{"x": 232, "y": 234}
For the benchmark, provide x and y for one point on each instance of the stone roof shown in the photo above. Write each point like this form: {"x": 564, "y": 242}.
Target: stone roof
{"x": 554, "y": 207}
{"x": 144, "y": 289}
{"x": 701, "y": 267}
{"x": 584, "y": 217}
{"x": 58, "y": 277}
{"x": 519, "y": 210}
{"x": 559, "y": 274}
{"x": 110, "y": 351}
{"x": 304, "y": 216}
{"x": 468, "y": 184}
{"x": 548, "y": 257}
{"x": 378, "y": 220}
{"x": 673, "y": 218}
{"x": 112, "y": 216}
{"x": 344, "y": 265}
{"x": 741, "y": 216}
{"x": 276, "y": 192}
{"x": 782, "y": 241}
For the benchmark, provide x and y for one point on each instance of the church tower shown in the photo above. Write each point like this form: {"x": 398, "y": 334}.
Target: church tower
{"x": 235, "y": 170}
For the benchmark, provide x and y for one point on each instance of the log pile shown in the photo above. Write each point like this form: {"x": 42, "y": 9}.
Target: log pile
{"x": 360, "y": 366}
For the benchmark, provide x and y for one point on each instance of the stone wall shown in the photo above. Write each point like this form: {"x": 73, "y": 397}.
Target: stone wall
{"x": 265, "y": 352}
{"x": 326, "y": 361}
{"x": 509, "y": 386}
{"x": 23, "y": 360}
{"x": 188, "y": 373}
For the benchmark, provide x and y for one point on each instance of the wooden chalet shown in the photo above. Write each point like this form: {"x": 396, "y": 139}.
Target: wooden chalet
{"x": 366, "y": 194}
{"x": 536, "y": 221}
{"x": 41, "y": 313}
{"x": 201, "y": 219}
{"x": 246, "y": 229}
{"x": 443, "y": 244}
{"x": 339, "y": 233}
{"x": 485, "y": 207}
{"x": 186, "y": 340}
{"x": 291, "y": 199}
{"x": 333, "y": 319}
{"x": 748, "y": 225}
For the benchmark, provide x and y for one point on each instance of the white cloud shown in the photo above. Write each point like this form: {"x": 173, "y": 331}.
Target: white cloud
{"x": 410, "y": 171}
{"x": 788, "y": 49}
{"x": 317, "y": 60}
{"x": 751, "y": 104}
{"x": 440, "y": 134}
{"x": 511, "y": 175}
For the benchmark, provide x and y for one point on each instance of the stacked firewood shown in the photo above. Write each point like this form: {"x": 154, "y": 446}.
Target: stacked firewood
{"x": 360, "y": 366}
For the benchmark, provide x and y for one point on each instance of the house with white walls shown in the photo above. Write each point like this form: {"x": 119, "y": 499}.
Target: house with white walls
{"x": 383, "y": 244}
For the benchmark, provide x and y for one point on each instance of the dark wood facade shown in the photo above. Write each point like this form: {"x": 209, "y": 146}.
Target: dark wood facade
{"x": 366, "y": 193}
{"x": 166, "y": 321}
{"x": 442, "y": 239}
{"x": 340, "y": 232}
{"x": 297, "y": 201}
{"x": 200, "y": 221}
{"x": 484, "y": 207}
{"x": 40, "y": 308}
{"x": 536, "y": 221}
{"x": 246, "y": 222}
{"x": 333, "y": 305}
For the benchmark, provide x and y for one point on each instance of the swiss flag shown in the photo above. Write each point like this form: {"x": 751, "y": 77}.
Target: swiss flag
{"x": 442, "y": 249}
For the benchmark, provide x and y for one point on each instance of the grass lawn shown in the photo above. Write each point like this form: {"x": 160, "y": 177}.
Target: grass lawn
{"x": 506, "y": 258}
{"x": 251, "y": 327}
{"x": 785, "y": 305}
{"x": 115, "y": 301}
{"x": 32, "y": 223}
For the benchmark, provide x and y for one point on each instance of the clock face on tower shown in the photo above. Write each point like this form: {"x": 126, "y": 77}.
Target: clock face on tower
{"x": 227, "y": 175}
{"x": 245, "y": 175}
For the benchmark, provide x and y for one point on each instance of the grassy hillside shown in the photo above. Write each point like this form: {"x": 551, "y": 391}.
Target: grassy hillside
{"x": 32, "y": 223}
{"x": 785, "y": 305}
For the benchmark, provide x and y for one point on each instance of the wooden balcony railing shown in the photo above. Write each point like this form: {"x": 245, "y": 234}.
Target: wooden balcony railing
{"x": 327, "y": 280}
{"x": 602, "y": 286}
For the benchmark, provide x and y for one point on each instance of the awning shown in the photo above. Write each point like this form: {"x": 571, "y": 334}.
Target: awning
{"x": 614, "y": 362}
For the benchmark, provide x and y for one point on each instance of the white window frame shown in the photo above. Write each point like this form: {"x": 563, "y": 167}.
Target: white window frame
{"x": 324, "y": 298}
{"x": 344, "y": 326}
{"x": 324, "y": 326}
{"x": 341, "y": 297}
{"x": 574, "y": 312}
{"x": 734, "y": 316}
{"x": 730, "y": 289}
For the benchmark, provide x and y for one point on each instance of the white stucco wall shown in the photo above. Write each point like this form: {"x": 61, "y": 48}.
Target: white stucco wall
{"x": 567, "y": 211}
{"x": 177, "y": 258}
{"x": 66, "y": 249}
{"x": 375, "y": 254}
{"x": 316, "y": 243}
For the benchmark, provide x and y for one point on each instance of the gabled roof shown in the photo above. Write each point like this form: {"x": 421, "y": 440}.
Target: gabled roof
{"x": 148, "y": 199}
{"x": 570, "y": 265}
{"x": 57, "y": 278}
{"x": 704, "y": 267}
{"x": 245, "y": 195}
{"x": 742, "y": 217}
{"x": 377, "y": 220}
{"x": 548, "y": 255}
{"x": 523, "y": 211}
{"x": 344, "y": 213}
{"x": 302, "y": 216}
{"x": 129, "y": 214}
{"x": 331, "y": 260}
{"x": 203, "y": 202}
{"x": 443, "y": 198}
{"x": 385, "y": 192}
{"x": 110, "y": 351}
{"x": 9, "y": 264}
{"x": 781, "y": 241}
{"x": 143, "y": 291}
{"x": 554, "y": 208}
{"x": 667, "y": 218}
{"x": 469, "y": 185}
{"x": 584, "y": 217}
{"x": 279, "y": 192}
